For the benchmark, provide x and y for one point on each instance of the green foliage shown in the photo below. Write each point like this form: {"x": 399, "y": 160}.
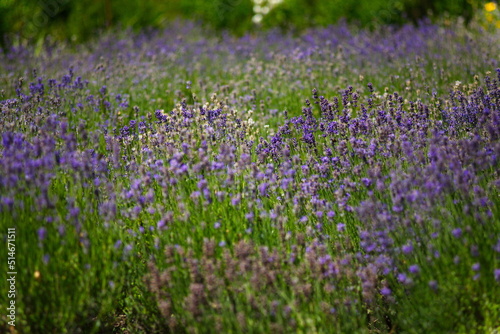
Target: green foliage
{"x": 233, "y": 15}
{"x": 305, "y": 13}
{"x": 26, "y": 20}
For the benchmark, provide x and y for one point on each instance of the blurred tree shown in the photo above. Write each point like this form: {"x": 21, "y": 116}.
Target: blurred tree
{"x": 78, "y": 20}
{"x": 235, "y": 15}
{"x": 418, "y": 9}
{"x": 306, "y": 13}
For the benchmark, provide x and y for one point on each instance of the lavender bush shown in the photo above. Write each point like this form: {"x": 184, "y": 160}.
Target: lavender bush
{"x": 336, "y": 181}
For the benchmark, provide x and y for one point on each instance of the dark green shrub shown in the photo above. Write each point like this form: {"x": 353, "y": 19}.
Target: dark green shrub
{"x": 306, "y": 13}
{"x": 80, "y": 20}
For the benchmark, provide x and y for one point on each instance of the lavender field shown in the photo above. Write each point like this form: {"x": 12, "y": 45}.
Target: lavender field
{"x": 179, "y": 181}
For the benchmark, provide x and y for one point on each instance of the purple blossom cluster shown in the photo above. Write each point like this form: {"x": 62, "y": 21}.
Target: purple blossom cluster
{"x": 400, "y": 177}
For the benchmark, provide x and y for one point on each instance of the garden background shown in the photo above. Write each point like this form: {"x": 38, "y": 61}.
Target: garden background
{"x": 80, "y": 20}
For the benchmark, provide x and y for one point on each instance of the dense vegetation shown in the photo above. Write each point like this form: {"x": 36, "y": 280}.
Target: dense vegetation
{"x": 27, "y": 20}
{"x": 338, "y": 180}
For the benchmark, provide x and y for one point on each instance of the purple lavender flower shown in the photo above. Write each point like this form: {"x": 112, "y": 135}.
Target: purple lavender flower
{"x": 433, "y": 285}
{"x": 476, "y": 267}
{"x": 161, "y": 224}
{"x": 202, "y": 184}
{"x": 136, "y": 210}
{"x": 128, "y": 248}
{"x": 385, "y": 291}
{"x": 61, "y": 229}
{"x": 263, "y": 189}
{"x": 366, "y": 181}
{"x": 402, "y": 278}
{"x": 496, "y": 274}
{"x": 9, "y": 202}
{"x": 235, "y": 200}
{"x": 74, "y": 212}
{"x": 340, "y": 227}
{"x": 457, "y": 232}
{"x": 407, "y": 249}
{"x": 42, "y": 233}
{"x": 414, "y": 269}
{"x": 496, "y": 248}
{"x": 474, "y": 250}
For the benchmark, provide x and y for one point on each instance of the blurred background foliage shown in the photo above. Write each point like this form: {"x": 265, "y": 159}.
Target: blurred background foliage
{"x": 306, "y": 13}
{"x": 79, "y": 20}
